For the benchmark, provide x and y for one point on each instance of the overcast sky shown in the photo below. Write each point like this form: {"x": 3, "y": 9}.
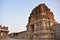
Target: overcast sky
{"x": 14, "y": 13}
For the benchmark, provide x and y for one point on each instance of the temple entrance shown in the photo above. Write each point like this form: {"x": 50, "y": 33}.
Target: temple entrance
{"x": 32, "y": 28}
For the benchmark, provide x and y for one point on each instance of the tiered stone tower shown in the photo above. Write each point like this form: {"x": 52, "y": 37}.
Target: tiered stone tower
{"x": 40, "y": 22}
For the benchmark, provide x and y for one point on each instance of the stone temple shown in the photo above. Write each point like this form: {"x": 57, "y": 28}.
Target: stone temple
{"x": 3, "y": 32}
{"x": 41, "y": 25}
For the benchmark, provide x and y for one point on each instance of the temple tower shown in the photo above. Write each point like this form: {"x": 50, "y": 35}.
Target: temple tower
{"x": 40, "y": 22}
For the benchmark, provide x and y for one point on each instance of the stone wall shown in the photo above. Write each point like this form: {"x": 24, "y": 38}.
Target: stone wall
{"x": 19, "y": 35}
{"x": 56, "y": 29}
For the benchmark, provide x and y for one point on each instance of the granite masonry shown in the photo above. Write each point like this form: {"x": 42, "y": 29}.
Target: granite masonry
{"x": 41, "y": 25}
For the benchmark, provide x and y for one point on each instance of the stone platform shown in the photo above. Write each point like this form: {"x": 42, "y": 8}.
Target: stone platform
{"x": 12, "y": 39}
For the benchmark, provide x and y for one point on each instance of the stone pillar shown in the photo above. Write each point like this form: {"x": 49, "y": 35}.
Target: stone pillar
{"x": 30, "y": 36}
{"x": 1, "y": 34}
{"x": 35, "y": 27}
{"x": 5, "y": 34}
{"x": 43, "y": 24}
